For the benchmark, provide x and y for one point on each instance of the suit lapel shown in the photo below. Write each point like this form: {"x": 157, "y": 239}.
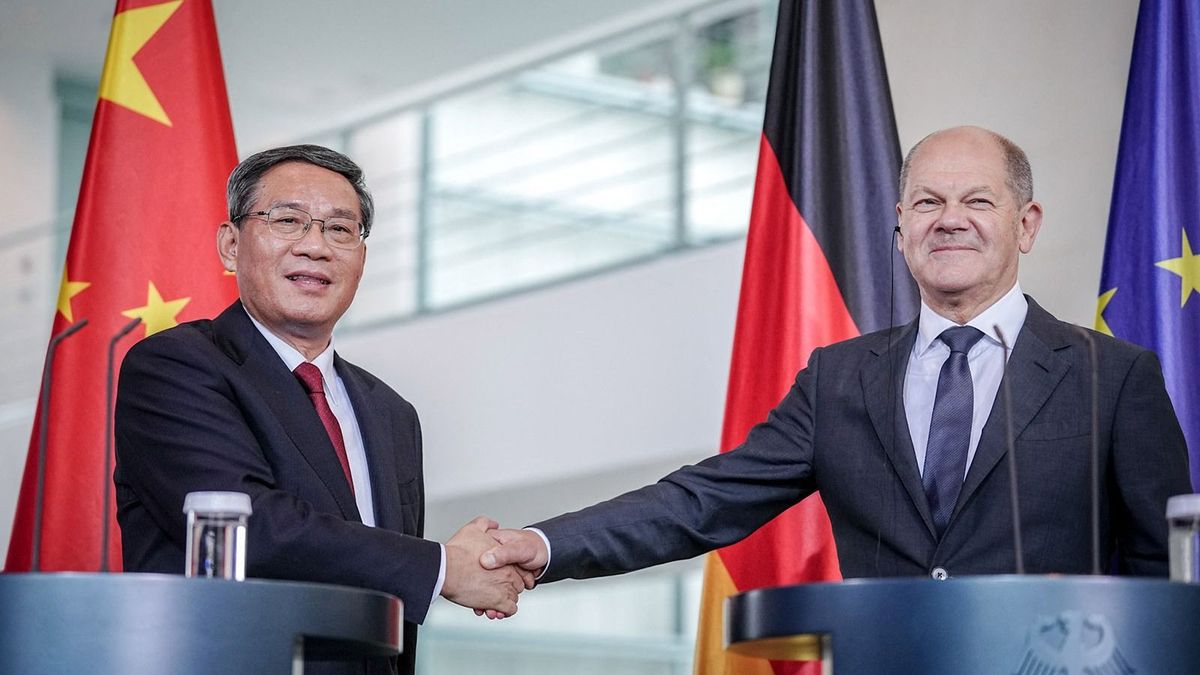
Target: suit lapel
{"x": 377, "y": 438}
{"x": 1034, "y": 372}
{"x": 883, "y": 380}
{"x": 286, "y": 398}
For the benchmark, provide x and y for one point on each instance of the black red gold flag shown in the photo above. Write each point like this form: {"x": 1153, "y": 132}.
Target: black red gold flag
{"x": 820, "y": 267}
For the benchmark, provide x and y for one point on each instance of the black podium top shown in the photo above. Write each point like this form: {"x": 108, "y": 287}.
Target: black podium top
{"x": 1006, "y": 625}
{"x": 153, "y": 623}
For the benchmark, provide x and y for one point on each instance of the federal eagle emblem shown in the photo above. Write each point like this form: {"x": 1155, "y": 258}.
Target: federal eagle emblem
{"x": 1072, "y": 644}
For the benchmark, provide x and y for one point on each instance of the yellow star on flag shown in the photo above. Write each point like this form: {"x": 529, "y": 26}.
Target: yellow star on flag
{"x": 122, "y": 82}
{"x": 1187, "y": 266}
{"x": 157, "y": 314}
{"x": 1105, "y": 298}
{"x": 67, "y": 290}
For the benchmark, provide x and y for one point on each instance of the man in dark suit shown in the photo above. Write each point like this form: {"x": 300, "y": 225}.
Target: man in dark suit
{"x": 903, "y": 431}
{"x": 257, "y": 401}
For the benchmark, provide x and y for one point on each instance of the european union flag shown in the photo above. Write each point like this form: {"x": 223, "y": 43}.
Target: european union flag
{"x": 1150, "y": 286}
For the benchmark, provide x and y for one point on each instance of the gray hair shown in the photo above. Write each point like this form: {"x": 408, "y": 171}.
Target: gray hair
{"x": 1019, "y": 176}
{"x": 242, "y": 189}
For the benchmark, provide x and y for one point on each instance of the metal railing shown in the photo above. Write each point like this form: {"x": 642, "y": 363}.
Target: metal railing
{"x": 609, "y": 153}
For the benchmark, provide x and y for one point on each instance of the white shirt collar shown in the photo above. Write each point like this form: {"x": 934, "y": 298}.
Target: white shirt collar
{"x": 1008, "y": 313}
{"x": 292, "y": 357}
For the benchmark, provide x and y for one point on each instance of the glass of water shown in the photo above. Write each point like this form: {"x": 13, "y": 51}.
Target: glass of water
{"x": 1183, "y": 537}
{"x": 216, "y": 542}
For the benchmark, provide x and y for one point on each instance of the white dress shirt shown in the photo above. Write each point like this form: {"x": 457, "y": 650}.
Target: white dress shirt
{"x": 986, "y": 360}
{"x": 339, "y": 402}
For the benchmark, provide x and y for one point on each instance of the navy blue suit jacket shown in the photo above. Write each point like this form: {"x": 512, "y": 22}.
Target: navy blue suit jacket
{"x": 842, "y": 430}
{"x": 209, "y": 405}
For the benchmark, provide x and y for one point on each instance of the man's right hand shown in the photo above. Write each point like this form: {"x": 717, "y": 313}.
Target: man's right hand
{"x": 522, "y": 548}
{"x": 493, "y": 591}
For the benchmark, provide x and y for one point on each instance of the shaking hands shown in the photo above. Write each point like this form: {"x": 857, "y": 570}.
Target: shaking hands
{"x": 487, "y": 568}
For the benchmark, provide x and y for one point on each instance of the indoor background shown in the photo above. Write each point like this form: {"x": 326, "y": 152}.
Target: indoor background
{"x": 562, "y": 192}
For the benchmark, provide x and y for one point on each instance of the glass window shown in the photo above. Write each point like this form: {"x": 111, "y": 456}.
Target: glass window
{"x": 642, "y": 623}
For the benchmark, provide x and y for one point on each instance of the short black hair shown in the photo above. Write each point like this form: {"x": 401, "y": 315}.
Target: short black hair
{"x": 242, "y": 188}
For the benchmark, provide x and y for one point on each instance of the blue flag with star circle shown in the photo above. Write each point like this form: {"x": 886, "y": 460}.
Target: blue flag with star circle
{"x": 1150, "y": 285}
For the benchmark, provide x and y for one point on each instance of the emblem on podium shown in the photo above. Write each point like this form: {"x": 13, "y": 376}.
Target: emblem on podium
{"x": 1072, "y": 644}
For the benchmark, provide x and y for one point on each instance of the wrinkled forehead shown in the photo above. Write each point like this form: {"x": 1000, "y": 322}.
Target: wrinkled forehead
{"x": 306, "y": 186}
{"x": 956, "y": 159}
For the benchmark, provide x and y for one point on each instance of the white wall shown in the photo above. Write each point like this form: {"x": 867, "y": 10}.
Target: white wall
{"x": 28, "y": 158}
{"x": 619, "y": 369}
{"x": 1049, "y": 75}
{"x": 624, "y": 375}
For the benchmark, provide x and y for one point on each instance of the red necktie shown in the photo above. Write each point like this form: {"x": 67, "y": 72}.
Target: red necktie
{"x": 310, "y": 376}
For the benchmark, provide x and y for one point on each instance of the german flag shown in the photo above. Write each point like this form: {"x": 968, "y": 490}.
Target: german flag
{"x": 820, "y": 267}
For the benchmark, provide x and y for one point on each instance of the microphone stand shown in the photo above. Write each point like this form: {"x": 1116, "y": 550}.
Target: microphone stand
{"x": 108, "y": 440}
{"x": 1012, "y": 456}
{"x": 1095, "y": 446}
{"x": 43, "y": 433}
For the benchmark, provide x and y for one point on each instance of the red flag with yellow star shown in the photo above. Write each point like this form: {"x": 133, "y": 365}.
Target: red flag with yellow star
{"x": 143, "y": 245}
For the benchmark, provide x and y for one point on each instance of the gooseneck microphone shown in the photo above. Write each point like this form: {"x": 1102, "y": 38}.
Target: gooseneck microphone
{"x": 1012, "y": 454}
{"x": 1095, "y": 374}
{"x": 892, "y": 414}
{"x": 108, "y": 439}
{"x": 43, "y": 433}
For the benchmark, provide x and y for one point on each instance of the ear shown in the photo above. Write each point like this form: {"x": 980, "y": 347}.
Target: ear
{"x": 227, "y": 241}
{"x": 899, "y": 229}
{"x": 1030, "y": 224}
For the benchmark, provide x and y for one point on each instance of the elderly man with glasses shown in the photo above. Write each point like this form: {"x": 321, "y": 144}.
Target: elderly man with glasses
{"x": 257, "y": 401}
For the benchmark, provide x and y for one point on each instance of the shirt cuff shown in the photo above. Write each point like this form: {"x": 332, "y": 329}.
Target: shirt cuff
{"x": 437, "y": 588}
{"x": 547, "y": 543}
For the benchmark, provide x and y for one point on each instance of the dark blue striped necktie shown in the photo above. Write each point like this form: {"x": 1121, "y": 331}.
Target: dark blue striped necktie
{"x": 950, "y": 427}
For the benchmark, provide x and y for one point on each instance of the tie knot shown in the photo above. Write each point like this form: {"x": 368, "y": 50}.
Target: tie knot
{"x": 310, "y": 376}
{"x": 960, "y": 339}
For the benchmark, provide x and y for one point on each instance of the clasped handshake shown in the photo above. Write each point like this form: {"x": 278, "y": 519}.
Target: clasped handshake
{"x": 487, "y": 567}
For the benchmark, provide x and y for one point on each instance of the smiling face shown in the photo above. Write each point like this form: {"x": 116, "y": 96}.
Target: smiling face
{"x": 297, "y": 289}
{"x": 961, "y": 227}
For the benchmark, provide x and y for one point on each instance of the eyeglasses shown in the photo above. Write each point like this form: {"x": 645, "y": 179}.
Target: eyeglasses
{"x": 293, "y": 224}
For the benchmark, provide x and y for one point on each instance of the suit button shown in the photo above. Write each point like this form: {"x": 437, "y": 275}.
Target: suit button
{"x": 939, "y": 573}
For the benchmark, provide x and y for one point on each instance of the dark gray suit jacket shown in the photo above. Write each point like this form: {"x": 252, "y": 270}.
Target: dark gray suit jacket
{"x": 842, "y": 430}
{"x": 209, "y": 405}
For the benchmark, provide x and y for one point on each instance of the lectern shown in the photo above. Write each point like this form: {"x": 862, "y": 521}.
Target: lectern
{"x": 1006, "y": 625}
{"x": 152, "y": 623}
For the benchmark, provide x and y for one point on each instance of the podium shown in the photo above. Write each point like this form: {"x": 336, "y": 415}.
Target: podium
{"x": 154, "y": 623}
{"x": 1006, "y": 625}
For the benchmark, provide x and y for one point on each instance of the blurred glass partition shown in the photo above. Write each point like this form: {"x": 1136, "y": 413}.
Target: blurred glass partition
{"x": 731, "y": 62}
{"x": 388, "y": 151}
{"x": 616, "y": 152}
{"x": 638, "y": 624}
{"x": 561, "y": 170}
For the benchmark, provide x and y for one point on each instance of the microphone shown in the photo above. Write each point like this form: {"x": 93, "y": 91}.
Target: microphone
{"x": 1095, "y": 373}
{"x": 43, "y": 434}
{"x": 892, "y": 415}
{"x": 108, "y": 439}
{"x": 1012, "y": 455}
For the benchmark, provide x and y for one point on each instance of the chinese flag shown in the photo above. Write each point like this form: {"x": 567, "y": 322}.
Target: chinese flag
{"x": 142, "y": 246}
{"x": 820, "y": 267}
